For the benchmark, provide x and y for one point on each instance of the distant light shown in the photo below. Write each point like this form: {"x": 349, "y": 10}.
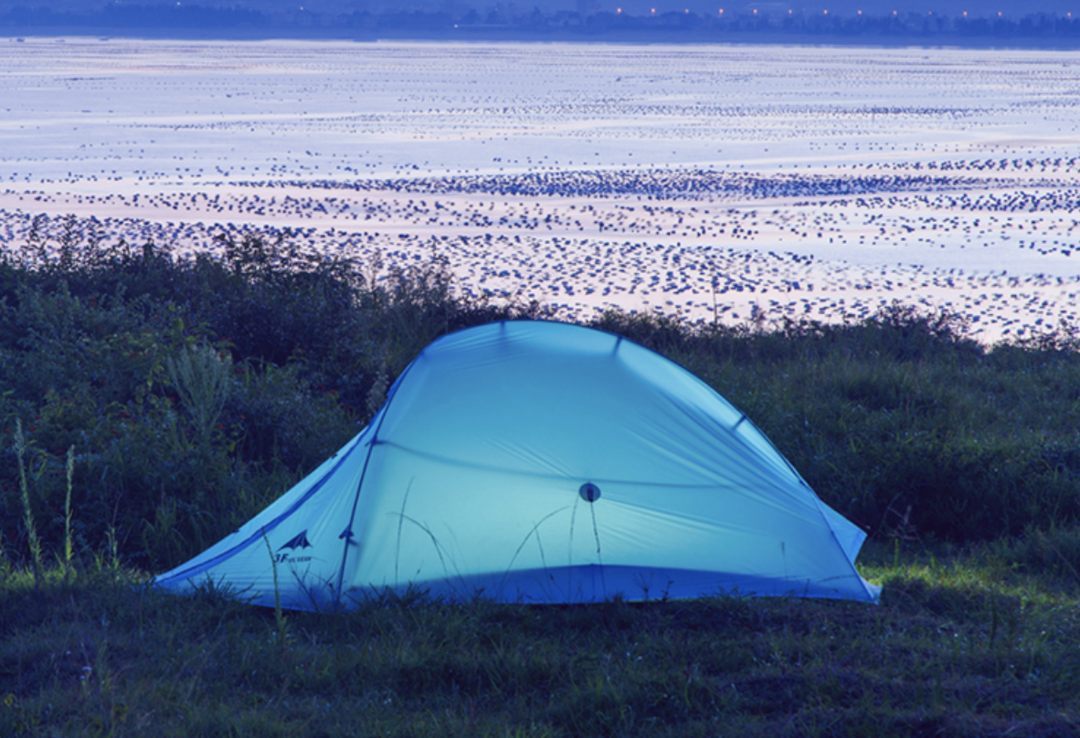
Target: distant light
{"x": 721, "y": 11}
{"x": 894, "y": 12}
{"x": 618, "y": 10}
{"x": 688, "y": 11}
{"x": 654, "y": 10}
{"x": 860, "y": 12}
{"x": 965, "y": 14}
{"x": 755, "y": 11}
{"x": 825, "y": 12}
{"x": 999, "y": 15}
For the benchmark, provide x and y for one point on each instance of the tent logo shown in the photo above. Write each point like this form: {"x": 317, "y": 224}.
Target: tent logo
{"x": 299, "y": 541}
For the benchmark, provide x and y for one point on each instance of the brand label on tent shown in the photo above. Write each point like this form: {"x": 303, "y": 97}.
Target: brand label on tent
{"x": 299, "y": 541}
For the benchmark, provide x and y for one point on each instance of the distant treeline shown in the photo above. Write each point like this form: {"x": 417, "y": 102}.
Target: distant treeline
{"x": 186, "y": 20}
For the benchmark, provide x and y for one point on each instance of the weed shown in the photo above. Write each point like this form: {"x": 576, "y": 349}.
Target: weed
{"x": 279, "y": 616}
{"x": 28, "y": 515}
{"x": 202, "y": 377}
{"x": 69, "y": 551}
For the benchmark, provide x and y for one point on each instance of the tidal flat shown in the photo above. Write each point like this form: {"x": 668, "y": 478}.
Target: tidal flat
{"x": 711, "y": 183}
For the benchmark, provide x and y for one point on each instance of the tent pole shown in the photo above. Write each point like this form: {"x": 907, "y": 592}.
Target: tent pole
{"x": 347, "y": 534}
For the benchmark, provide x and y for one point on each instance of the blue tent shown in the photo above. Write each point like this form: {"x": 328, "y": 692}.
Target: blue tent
{"x": 543, "y": 462}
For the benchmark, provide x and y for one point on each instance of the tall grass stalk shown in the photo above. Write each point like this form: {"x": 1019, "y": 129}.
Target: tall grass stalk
{"x": 28, "y": 515}
{"x": 68, "y": 548}
{"x": 110, "y": 561}
{"x": 279, "y": 616}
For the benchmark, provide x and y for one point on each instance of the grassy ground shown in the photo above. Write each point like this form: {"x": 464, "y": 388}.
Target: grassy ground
{"x": 149, "y": 404}
{"x": 979, "y": 642}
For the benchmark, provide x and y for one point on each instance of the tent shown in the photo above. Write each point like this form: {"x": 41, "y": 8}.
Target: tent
{"x": 546, "y": 463}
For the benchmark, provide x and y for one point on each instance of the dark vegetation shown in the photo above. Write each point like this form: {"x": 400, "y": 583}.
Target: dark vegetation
{"x": 196, "y": 390}
{"x": 193, "y": 390}
{"x": 162, "y": 400}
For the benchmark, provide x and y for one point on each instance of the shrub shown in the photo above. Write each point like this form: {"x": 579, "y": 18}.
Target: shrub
{"x": 197, "y": 389}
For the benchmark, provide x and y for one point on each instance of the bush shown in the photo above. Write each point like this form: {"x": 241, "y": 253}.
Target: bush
{"x": 196, "y": 390}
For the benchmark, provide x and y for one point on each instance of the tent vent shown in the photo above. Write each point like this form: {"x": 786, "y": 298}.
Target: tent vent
{"x": 589, "y": 492}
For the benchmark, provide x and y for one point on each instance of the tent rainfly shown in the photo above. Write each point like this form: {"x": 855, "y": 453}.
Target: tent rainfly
{"x": 546, "y": 463}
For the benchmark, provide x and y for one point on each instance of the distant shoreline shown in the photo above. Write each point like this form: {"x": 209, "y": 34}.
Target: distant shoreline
{"x": 743, "y": 40}
{"x": 1037, "y": 31}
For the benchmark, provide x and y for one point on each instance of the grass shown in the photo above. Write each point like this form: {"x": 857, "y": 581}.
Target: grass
{"x": 154, "y": 403}
{"x": 965, "y": 642}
